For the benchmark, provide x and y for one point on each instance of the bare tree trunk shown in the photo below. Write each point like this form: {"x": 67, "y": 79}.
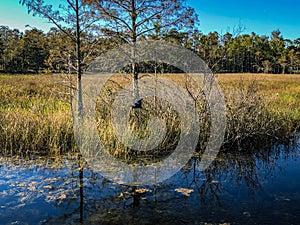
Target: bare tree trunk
{"x": 70, "y": 81}
{"x": 79, "y": 72}
{"x": 135, "y": 81}
{"x": 155, "y": 92}
{"x": 283, "y": 70}
{"x": 135, "y": 72}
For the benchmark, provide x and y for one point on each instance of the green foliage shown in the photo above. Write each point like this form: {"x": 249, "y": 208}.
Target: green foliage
{"x": 35, "y": 51}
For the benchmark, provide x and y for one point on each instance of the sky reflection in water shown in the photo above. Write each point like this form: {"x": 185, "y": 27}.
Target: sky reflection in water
{"x": 261, "y": 187}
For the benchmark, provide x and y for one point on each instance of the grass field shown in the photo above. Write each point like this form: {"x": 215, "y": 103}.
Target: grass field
{"x": 35, "y": 114}
{"x": 270, "y": 84}
{"x": 281, "y": 92}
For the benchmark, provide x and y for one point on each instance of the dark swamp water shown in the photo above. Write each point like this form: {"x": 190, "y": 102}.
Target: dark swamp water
{"x": 258, "y": 187}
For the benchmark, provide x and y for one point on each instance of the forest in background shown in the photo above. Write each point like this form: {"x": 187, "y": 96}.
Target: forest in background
{"x": 35, "y": 51}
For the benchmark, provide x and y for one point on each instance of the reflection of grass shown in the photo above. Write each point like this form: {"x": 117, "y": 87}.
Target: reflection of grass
{"x": 35, "y": 115}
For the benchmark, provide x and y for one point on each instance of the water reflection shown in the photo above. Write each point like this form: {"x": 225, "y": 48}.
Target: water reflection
{"x": 251, "y": 186}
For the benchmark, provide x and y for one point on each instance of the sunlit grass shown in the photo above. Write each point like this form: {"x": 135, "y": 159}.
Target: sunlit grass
{"x": 35, "y": 114}
{"x": 280, "y": 92}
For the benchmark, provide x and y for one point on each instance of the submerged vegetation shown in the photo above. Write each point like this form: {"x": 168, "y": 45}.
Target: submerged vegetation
{"x": 35, "y": 115}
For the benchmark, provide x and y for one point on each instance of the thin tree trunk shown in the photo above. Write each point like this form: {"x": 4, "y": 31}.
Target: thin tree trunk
{"x": 79, "y": 72}
{"x": 155, "y": 93}
{"x": 135, "y": 71}
{"x": 135, "y": 81}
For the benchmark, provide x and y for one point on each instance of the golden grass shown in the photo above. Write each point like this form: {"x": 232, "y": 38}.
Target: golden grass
{"x": 271, "y": 84}
{"x": 285, "y": 87}
{"x": 35, "y": 114}
{"x": 281, "y": 91}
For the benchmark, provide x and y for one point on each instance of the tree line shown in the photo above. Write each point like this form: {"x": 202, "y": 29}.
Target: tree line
{"x": 35, "y": 51}
{"x": 84, "y": 29}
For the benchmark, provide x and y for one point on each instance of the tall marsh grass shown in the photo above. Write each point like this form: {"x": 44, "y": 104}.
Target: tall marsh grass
{"x": 34, "y": 118}
{"x": 139, "y": 125}
{"x": 253, "y": 118}
{"x": 35, "y": 115}
{"x": 261, "y": 107}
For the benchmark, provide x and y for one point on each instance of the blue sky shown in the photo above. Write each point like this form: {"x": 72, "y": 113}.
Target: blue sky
{"x": 260, "y": 16}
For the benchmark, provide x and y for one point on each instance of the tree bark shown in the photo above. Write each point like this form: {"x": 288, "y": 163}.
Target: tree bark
{"x": 135, "y": 72}
{"x": 79, "y": 70}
